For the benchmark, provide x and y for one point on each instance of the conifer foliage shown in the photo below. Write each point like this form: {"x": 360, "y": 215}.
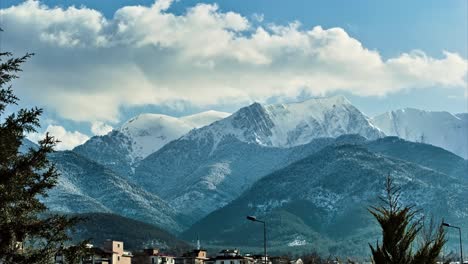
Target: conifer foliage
{"x": 28, "y": 234}
{"x": 401, "y": 230}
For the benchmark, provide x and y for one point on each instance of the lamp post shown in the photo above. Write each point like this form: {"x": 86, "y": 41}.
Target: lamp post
{"x": 254, "y": 219}
{"x": 459, "y": 232}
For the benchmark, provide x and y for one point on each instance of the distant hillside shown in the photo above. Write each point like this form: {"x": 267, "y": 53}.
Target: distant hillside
{"x": 321, "y": 202}
{"x": 210, "y": 166}
{"x": 199, "y": 179}
{"x": 426, "y": 155}
{"x": 135, "y": 234}
{"x": 85, "y": 186}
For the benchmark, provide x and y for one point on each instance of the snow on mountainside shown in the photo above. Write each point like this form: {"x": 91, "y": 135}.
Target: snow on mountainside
{"x": 441, "y": 129}
{"x": 149, "y": 132}
{"x": 85, "y": 186}
{"x": 322, "y": 200}
{"x": 278, "y": 125}
{"x": 204, "y": 118}
{"x": 463, "y": 116}
{"x": 298, "y": 123}
{"x": 210, "y": 166}
{"x": 142, "y": 135}
{"x": 288, "y": 125}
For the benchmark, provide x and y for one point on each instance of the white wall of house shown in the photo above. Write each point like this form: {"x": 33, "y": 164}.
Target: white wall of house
{"x": 233, "y": 261}
{"x": 162, "y": 260}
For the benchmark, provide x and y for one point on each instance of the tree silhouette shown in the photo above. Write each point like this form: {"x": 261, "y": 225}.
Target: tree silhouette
{"x": 28, "y": 233}
{"x": 400, "y": 229}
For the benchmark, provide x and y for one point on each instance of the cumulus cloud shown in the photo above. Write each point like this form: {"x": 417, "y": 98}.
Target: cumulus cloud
{"x": 88, "y": 67}
{"x": 68, "y": 139}
{"x": 99, "y": 128}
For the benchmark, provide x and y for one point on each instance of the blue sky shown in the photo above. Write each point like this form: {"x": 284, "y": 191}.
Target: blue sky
{"x": 386, "y": 30}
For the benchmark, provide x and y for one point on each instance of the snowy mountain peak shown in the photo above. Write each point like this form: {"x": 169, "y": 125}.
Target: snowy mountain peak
{"x": 418, "y": 113}
{"x": 150, "y": 132}
{"x": 146, "y": 124}
{"x": 325, "y": 101}
{"x": 204, "y": 118}
{"x": 438, "y": 128}
{"x": 123, "y": 148}
{"x": 292, "y": 124}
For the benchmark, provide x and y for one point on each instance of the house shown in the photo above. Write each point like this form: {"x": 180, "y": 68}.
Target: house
{"x": 117, "y": 253}
{"x": 152, "y": 256}
{"x": 281, "y": 260}
{"x": 96, "y": 256}
{"x": 197, "y": 256}
{"x": 112, "y": 252}
{"x": 231, "y": 256}
{"x": 296, "y": 261}
{"x": 260, "y": 259}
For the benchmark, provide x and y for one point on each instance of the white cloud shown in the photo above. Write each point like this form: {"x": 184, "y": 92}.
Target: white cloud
{"x": 99, "y": 128}
{"x": 87, "y": 67}
{"x": 258, "y": 17}
{"x": 68, "y": 140}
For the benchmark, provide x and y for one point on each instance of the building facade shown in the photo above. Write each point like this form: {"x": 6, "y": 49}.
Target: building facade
{"x": 118, "y": 255}
{"x": 231, "y": 256}
{"x": 152, "y": 256}
{"x": 197, "y": 256}
{"x": 112, "y": 252}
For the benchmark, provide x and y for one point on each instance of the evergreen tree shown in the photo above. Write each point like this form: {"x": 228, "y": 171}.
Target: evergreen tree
{"x": 400, "y": 230}
{"x": 28, "y": 234}
{"x": 75, "y": 254}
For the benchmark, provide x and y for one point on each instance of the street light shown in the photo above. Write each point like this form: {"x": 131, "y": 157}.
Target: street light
{"x": 254, "y": 219}
{"x": 459, "y": 232}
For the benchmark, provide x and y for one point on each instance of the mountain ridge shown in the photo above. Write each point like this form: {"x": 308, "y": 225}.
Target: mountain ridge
{"x": 209, "y": 166}
{"x": 439, "y": 128}
{"x": 85, "y": 186}
{"x": 327, "y": 192}
{"x": 136, "y": 235}
{"x": 123, "y": 148}
{"x": 288, "y": 125}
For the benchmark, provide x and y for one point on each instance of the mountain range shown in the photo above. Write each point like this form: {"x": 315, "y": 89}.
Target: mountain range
{"x": 209, "y": 167}
{"x": 311, "y": 168}
{"x": 123, "y": 148}
{"x": 321, "y": 201}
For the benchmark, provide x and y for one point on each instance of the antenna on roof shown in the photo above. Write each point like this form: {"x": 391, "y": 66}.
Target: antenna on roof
{"x": 198, "y": 242}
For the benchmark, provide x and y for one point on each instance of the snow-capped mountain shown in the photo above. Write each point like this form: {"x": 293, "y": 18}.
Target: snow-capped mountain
{"x": 441, "y": 129}
{"x": 140, "y": 136}
{"x": 196, "y": 178}
{"x": 156, "y": 167}
{"x": 288, "y": 125}
{"x": 210, "y": 166}
{"x": 277, "y": 125}
{"x": 149, "y": 132}
{"x": 204, "y": 118}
